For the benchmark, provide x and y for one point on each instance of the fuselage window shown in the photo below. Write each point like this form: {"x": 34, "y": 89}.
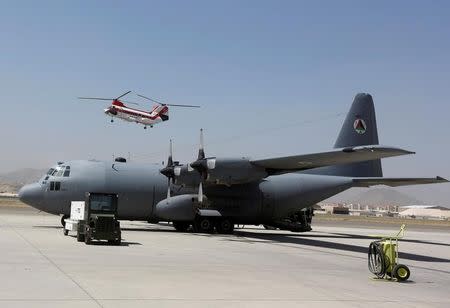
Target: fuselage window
{"x": 57, "y": 185}
{"x": 52, "y": 185}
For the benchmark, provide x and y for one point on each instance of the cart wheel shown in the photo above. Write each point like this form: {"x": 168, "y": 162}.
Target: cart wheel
{"x": 401, "y": 272}
{"x": 66, "y": 232}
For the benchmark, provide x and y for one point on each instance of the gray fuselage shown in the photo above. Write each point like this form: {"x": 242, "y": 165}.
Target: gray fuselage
{"x": 141, "y": 186}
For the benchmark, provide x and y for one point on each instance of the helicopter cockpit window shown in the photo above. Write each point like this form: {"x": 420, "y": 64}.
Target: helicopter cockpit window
{"x": 67, "y": 171}
{"x": 50, "y": 171}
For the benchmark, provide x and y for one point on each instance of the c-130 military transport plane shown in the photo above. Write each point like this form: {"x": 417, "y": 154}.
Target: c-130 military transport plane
{"x": 215, "y": 193}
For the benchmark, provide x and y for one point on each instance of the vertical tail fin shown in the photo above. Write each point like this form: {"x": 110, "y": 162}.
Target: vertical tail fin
{"x": 359, "y": 128}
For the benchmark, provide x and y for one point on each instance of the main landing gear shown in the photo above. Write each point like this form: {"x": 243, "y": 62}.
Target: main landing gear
{"x": 206, "y": 225}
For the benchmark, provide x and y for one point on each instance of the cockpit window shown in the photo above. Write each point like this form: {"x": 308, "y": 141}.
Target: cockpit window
{"x": 60, "y": 172}
{"x": 50, "y": 171}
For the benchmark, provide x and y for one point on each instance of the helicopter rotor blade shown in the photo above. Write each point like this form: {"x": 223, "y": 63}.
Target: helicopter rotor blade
{"x": 97, "y": 98}
{"x": 126, "y": 93}
{"x": 150, "y": 99}
{"x": 176, "y": 105}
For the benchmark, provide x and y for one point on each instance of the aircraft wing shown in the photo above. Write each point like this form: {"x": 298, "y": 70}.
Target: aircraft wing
{"x": 393, "y": 182}
{"x": 335, "y": 157}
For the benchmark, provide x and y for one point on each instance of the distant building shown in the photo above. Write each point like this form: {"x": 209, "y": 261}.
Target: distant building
{"x": 341, "y": 210}
{"x": 425, "y": 211}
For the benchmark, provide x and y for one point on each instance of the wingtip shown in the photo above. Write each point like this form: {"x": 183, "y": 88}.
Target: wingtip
{"x": 406, "y": 152}
{"x": 441, "y": 179}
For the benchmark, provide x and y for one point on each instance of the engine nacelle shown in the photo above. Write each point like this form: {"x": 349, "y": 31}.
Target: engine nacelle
{"x": 233, "y": 171}
{"x": 186, "y": 176}
{"x": 178, "y": 208}
{"x": 220, "y": 171}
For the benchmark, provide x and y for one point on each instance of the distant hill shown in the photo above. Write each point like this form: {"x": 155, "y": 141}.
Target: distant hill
{"x": 376, "y": 196}
{"x": 12, "y": 181}
{"x": 8, "y": 188}
{"x": 384, "y": 196}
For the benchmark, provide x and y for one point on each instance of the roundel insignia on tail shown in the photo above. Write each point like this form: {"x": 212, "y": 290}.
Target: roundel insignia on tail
{"x": 360, "y": 126}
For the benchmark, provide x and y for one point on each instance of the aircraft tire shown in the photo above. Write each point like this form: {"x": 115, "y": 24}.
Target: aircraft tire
{"x": 181, "y": 226}
{"x": 66, "y": 232}
{"x": 225, "y": 226}
{"x": 203, "y": 225}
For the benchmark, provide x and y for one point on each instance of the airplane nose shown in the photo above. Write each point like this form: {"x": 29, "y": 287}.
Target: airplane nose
{"x": 31, "y": 194}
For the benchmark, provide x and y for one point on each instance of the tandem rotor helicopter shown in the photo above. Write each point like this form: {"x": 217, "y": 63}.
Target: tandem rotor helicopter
{"x": 118, "y": 109}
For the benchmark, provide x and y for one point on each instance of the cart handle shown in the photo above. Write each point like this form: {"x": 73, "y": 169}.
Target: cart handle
{"x": 400, "y": 234}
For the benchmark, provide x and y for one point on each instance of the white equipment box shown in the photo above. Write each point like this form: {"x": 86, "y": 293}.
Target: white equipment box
{"x": 77, "y": 210}
{"x": 76, "y": 214}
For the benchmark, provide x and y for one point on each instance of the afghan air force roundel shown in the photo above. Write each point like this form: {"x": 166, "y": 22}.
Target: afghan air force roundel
{"x": 360, "y": 126}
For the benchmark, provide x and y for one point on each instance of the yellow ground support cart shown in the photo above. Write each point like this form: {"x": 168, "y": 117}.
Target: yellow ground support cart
{"x": 383, "y": 258}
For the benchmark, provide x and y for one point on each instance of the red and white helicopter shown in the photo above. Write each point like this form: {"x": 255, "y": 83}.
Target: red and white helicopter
{"x": 118, "y": 109}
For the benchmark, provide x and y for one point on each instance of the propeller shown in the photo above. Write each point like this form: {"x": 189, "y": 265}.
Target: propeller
{"x": 164, "y": 104}
{"x": 171, "y": 170}
{"x": 202, "y": 165}
{"x": 168, "y": 170}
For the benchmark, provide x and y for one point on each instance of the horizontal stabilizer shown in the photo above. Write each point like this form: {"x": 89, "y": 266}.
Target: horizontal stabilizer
{"x": 334, "y": 157}
{"x": 394, "y": 182}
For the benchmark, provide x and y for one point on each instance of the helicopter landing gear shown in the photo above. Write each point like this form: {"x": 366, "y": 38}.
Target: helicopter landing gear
{"x": 112, "y": 120}
{"x": 151, "y": 126}
{"x": 145, "y": 127}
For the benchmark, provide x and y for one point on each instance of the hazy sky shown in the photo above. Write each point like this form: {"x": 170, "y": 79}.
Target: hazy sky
{"x": 272, "y": 77}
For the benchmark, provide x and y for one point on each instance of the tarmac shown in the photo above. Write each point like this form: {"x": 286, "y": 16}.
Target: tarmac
{"x": 156, "y": 266}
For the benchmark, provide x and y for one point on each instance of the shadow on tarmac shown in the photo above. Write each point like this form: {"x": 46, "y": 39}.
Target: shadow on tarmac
{"x": 105, "y": 243}
{"x": 308, "y": 241}
{"x": 365, "y": 237}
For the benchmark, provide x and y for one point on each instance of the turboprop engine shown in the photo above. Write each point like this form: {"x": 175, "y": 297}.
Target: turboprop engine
{"x": 228, "y": 171}
{"x": 212, "y": 170}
